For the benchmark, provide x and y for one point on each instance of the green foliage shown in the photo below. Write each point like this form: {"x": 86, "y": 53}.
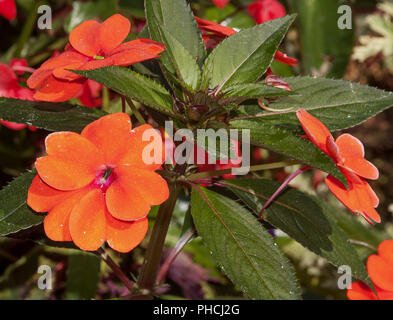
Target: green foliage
{"x": 48, "y": 115}
{"x": 15, "y": 215}
{"x": 83, "y": 274}
{"x": 303, "y": 218}
{"x": 323, "y": 44}
{"x": 245, "y": 251}
{"x": 338, "y": 104}
{"x": 285, "y": 142}
{"x": 245, "y": 56}
{"x": 132, "y": 85}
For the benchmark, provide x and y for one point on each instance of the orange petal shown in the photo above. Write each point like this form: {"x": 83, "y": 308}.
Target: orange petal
{"x": 85, "y": 38}
{"x": 349, "y": 145}
{"x": 111, "y": 135}
{"x": 360, "y": 291}
{"x": 124, "y": 236}
{"x": 380, "y": 271}
{"x": 125, "y": 197}
{"x": 214, "y": 27}
{"x": 56, "y": 90}
{"x": 56, "y": 223}
{"x": 72, "y": 161}
{"x": 360, "y": 166}
{"x": 352, "y": 157}
{"x": 149, "y": 46}
{"x": 113, "y": 31}
{"x": 283, "y": 58}
{"x": 144, "y": 154}
{"x": 385, "y": 250}
{"x": 357, "y": 198}
{"x": 134, "y": 190}
{"x": 315, "y": 129}
{"x": 42, "y": 198}
{"x": 38, "y": 77}
{"x": 88, "y": 222}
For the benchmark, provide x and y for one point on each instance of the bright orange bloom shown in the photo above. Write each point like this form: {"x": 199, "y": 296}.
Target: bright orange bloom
{"x": 96, "y": 185}
{"x": 380, "y": 270}
{"x": 213, "y": 33}
{"x": 348, "y": 154}
{"x": 92, "y": 45}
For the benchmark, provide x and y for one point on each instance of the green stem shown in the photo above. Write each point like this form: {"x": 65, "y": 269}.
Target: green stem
{"x": 147, "y": 279}
{"x": 135, "y": 111}
{"x": 105, "y": 98}
{"x": 27, "y": 29}
{"x": 259, "y": 167}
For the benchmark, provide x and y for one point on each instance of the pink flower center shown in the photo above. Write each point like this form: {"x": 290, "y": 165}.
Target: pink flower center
{"x": 104, "y": 178}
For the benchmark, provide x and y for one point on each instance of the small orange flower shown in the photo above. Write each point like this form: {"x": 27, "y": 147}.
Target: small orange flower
{"x": 95, "y": 185}
{"x": 92, "y": 45}
{"x": 380, "y": 270}
{"x": 348, "y": 154}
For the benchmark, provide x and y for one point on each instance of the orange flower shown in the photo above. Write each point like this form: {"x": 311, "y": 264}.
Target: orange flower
{"x": 95, "y": 185}
{"x": 213, "y": 33}
{"x": 380, "y": 270}
{"x": 92, "y": 45}
{"x": 348, "y": 154}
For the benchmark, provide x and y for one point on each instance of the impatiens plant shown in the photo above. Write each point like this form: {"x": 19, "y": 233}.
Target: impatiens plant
{"x": 184, "y": 103}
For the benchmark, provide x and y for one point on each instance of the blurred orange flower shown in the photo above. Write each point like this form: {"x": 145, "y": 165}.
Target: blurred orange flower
{"x": 347, "y": 152}
{"x": 96, "y": 186}
{"x": 92, "y": 45}
{"x": 380, "y": 270}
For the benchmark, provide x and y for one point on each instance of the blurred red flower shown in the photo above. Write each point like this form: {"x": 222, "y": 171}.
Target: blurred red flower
{"x": 264, "y": 10}
{"x": 8, "y": 9}
{"x": 10, "y": 88}
{"x": 221, "y": 3}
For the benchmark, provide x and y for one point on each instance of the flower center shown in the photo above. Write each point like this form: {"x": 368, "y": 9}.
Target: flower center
{"x": 98, "y": 57}
{"x": 104, "y": 178}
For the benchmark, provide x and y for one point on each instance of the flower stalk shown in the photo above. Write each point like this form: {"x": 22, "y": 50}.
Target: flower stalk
{"x": 147, "y": 279}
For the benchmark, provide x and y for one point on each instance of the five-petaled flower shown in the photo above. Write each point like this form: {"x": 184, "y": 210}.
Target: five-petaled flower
{"x": 92, "y": 45}
{"x": 264, "y": 10}
{"x": 96, "y": 185}
{"x": 348, "y": 154}
{"x": 380, "y": 270}
{"x": 213, "y": 33}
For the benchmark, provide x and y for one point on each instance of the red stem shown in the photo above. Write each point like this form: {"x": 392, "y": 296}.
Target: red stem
{"x": 278, "y": 191}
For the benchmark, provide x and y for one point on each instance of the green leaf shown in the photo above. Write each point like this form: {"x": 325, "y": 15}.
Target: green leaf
{"x": 15, "y": 214}
{"x": 242, "y": 247}
{"x": 135, "y": 7}
{"x": 338, "y": 104}
{"x": 320, "y": 37}
{"x": 48, "y": 115}
{"x": 178, "y": 19}
{"x": 82, "y": 11}
{"x": 132, "y": 85}
{"x": 185, "y": 65}
{"x": 83, "y": 274}
{"x": 302, "y": 217}
{"x": 242, "y": 92}
{"x": 289, "y": 144}
{"x": 245, "y": 56}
